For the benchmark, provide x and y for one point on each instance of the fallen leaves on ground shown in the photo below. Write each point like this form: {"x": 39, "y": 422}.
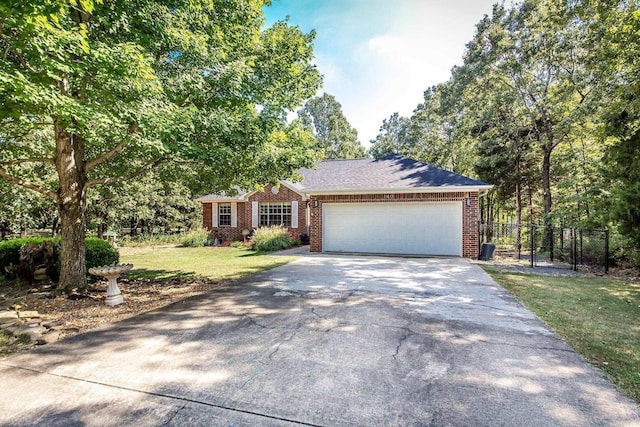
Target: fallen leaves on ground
{"x": 82, "y": 312}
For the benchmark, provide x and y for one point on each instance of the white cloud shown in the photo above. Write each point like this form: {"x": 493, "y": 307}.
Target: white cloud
{"x": 385, "y": 44}
{"x": 330, "y": 69}
{"x": 378, "y": 57}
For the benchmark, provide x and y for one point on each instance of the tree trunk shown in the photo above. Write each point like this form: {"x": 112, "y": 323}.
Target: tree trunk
{"x": 519, "y": 218}
{"x": 72, "y": 205}
{"x": 546, "y": 189}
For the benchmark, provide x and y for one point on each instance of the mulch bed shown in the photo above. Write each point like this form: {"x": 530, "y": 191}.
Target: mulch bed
{"x": 77, "y": 313}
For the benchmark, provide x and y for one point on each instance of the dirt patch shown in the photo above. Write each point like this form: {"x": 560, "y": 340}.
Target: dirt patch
{"x": 77, "y": 313}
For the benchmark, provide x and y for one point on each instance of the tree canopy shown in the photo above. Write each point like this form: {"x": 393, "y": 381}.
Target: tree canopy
{"x": 545, "y": 106}
{"x": 323, "y": 115}
{"x": 98, "y": 92}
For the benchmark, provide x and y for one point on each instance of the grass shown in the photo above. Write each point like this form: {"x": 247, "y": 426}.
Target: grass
{"x": 10, "y": 344}
{"x": 599, "y": 317}
{"x": 210, "y": 262}
{"x": 198, "y": 236}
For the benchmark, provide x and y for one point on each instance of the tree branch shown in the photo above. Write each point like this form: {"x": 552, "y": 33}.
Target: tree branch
{"x": 113, "y": 152}
{"x": 22, "y": 183}
{"x": 33, "y": 160}
{"x": 139, "y": 172}
{"x": 106, "y": 156}
{"x": 18, "y": 54}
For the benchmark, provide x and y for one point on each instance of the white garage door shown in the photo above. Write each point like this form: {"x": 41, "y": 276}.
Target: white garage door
{"x": 393, "y": 228}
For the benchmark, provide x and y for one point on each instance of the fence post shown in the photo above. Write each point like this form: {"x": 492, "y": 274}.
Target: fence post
{"x": 606, "y": 251}
{"x": 574, "y": 249}
{"x": 581, "y": 260}
{"x": 532, "y": 231}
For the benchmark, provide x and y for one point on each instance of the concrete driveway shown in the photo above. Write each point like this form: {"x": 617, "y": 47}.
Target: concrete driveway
{"x": 323, "y": 341}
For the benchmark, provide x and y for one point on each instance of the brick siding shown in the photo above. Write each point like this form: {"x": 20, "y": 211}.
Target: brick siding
{"x": 244, "y": 213}
{"x": 469, "y": 213}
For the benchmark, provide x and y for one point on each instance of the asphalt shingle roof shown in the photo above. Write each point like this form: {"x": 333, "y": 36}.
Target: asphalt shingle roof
{"x": 392, "y": 172}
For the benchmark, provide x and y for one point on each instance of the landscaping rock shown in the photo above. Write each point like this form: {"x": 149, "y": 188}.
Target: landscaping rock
{"x": 49, "y": 338}
{"x": 4, "y": 324}
{"x": 28, "y": 314}
{"x": 32, "y": 332}
{"x": 53, "y": 324}
{"x": 8, "y": 314}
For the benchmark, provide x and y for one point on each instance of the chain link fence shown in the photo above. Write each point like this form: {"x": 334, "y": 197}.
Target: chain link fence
{"x": 540, "y": 246}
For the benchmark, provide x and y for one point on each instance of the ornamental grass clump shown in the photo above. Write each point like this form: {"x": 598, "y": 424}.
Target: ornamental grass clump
{"x": 272, "y": 238}
{"x": 195, "y": 239}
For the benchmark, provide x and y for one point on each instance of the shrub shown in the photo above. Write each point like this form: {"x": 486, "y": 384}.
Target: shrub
{"x": 100, "y": 252}
{"x": 197, "y": 238}
{"x": 240, "y": 245}
{"x": 190, "y": 239}
{"x": 10, "y": 250}
{"x": 142, "y": 240}
{"x": 269, "y": 239}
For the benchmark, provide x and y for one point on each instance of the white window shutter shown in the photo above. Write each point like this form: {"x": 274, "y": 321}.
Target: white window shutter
{"x": 214, "y": 214}
{"x": 254, "y": 214}
{"x": 234, "y": 214}
{"x": 294, "y": 214}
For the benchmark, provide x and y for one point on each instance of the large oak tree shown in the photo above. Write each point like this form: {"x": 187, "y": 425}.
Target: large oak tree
{"x": 97, "y": 92}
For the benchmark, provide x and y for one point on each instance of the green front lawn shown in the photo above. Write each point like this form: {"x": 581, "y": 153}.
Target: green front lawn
{"x": 211, "y": 262}
{"x": 598, "y": 317}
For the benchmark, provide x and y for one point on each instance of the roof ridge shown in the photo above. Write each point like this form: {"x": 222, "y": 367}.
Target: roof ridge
{"x": 345, "y": 160}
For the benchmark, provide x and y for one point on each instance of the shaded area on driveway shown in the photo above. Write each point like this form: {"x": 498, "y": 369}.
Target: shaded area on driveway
{"x": 326, "y": 340}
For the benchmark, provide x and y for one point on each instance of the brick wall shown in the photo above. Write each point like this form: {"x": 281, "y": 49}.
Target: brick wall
{"x": 206, "y": 215}
{"x": 469, "y": 213}
{"x": 284, "y": 195}
{"x": 244, "y": 213}
{"x": 225, "y": 232}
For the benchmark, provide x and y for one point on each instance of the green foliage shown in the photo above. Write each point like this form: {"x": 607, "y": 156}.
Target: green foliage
{"x": 10, "y": 252}
{"x": 10, "y": 343}
{"x": 433, "y": 134}
{"x": 272, "y": 238}
{"x": 100, "y": 252}
{"x": 192, "y": 238}
{"x": 22, "y": 210}
{"x": 338, "y": 140}
{"x": 623, "y": 174}
{"x": 546, "y": 107}
{"x": 196, "y": 238}
{"x": 149, "y": 239}
{"x": 240, "y": 245}
{"x": 126, "y": 86}
{"x": 159, "y": 200}
{"x": 393, "y": 139}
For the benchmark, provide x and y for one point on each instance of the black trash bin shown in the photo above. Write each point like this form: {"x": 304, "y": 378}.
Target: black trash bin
{"x": 487, "y": 251}
{"x": 304, "y": 238}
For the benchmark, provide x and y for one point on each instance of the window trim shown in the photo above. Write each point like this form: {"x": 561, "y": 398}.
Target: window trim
{"x": 275, "y": 214}
{"x": 224, "y": 218}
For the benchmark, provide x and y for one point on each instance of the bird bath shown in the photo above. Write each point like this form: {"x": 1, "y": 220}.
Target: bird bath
{"x": 111, "y": 273}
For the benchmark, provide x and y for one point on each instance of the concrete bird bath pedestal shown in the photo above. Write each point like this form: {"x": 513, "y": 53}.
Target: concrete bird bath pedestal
{"x": 111, "y": 273}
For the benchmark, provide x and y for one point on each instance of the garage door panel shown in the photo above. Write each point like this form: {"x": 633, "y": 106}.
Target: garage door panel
{"x": 399, "y": 228}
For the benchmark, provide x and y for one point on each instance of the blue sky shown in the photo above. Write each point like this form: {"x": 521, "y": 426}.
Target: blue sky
{"x": 379, "y": 56}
